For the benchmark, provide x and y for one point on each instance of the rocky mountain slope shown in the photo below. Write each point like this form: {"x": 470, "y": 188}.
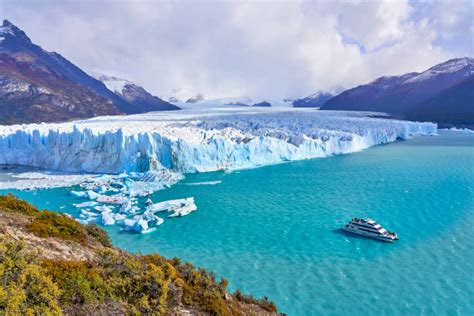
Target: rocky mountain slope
{"x": 314, "y": 100}
{"x": 41, "y": 86}
{"x": 136, "y": 95}
{"x": 444, "y": 86}
{"x": 52, "y": 265}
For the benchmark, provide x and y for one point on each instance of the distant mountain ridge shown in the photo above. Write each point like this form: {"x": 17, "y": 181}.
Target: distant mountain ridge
{"x": 411, "y": 94}
{"x": 41, "y": 86}
{"x": 142, "y": 100}
{"x": 314, "y": 100}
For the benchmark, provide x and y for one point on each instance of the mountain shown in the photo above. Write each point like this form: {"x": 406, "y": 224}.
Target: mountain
{"x": 445, "y": 87}
{"x": 41, "y": 86}
{"x": 185, "y": 95}
{"x": 136, "y": 95}
{"x": 448, "y": 108}
{"x": 314, "y": 100}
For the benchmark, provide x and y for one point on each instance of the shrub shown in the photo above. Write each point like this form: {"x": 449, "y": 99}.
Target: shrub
{"x": 25, "y": 289}
{"x": 264, "y": 303}
{"x": 51, "y": 224}
{"x": 79, "y": 281}
{"x": 10, "y": 203}
{"x": 98, "y": 234}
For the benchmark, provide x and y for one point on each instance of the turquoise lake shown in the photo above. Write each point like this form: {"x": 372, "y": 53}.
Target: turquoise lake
{"x": 273, "y": 231}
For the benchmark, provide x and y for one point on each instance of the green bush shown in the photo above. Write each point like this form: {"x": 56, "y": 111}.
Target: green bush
{"x": 11, "y": 204}
{"x": 25, "y": 288}
{"x": 51, "y": 224}
{"x": 79, "y": 281}
{"x": 99, "y": 235}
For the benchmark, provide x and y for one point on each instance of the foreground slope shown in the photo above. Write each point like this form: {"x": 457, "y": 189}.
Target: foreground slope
{"x": 52, "y": 265}
{"x": 410, "y": 95}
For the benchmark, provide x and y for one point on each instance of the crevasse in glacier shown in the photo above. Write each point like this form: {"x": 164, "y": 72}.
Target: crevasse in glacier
{"x": 188, "y": 142}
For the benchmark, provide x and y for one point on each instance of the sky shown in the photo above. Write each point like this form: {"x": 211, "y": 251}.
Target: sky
{"x": 264, "y": 49}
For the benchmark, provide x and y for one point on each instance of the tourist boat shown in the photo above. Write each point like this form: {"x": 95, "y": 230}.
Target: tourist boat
{"x": 369, "y": 228}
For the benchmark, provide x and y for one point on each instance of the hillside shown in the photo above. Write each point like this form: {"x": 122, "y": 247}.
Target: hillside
{"x": 448, "y": 108}
{"x": 41, "y": 86}
{"x": 52, "y": 265}
{"x": 142, "y": 100}
{"x": 314, "y": 100}
{"x": 431, "y": 95}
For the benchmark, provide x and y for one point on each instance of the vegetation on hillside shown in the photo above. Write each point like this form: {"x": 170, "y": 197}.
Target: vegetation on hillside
{"x": 115, "y": 282}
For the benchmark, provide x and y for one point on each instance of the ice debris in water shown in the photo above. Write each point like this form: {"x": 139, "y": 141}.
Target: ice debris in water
{"x": 125, "y": 190}
{"x": 460, "y": 130}
{"x": 141, "y": 154}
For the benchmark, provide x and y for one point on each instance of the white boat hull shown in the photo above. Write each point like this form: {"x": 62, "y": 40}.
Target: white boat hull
{"x": 387, "y": 238}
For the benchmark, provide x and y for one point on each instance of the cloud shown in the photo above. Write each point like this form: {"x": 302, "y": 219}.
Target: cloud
{"x": 264, "y": 49}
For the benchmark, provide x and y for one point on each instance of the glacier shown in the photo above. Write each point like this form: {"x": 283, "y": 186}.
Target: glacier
{"x": 119, "y": 160}
{"x": 197, "y": 142}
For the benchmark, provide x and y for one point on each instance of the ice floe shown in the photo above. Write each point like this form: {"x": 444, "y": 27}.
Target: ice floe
{"x": 203, "y": 183}
{"x": 460, "y": 130}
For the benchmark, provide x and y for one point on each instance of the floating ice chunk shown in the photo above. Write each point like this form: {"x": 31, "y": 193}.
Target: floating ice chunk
{"x": 92, "y": 195}
{"x": 460, "y": 130}
{"x": 189, "y": 207}
{"x": 81, "y": 194}
{"x": 119, "y": 217}
{"x": 137, "y": 225}
{"x": 167, "y": 205}
{"x": 204, "y": 183}
{"x": 107, "y": 218}
{"x": 128, "y": 207}
{"x": 112, "y": 199}
{"x": 85, "y": 204}
{"x": 88, "y": 213}
{"x": 143, "y": 223}
{"x": 103, "y": 209}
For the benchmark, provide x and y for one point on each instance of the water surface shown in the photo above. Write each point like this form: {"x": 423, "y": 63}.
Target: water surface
{"x": 273, "y": 231}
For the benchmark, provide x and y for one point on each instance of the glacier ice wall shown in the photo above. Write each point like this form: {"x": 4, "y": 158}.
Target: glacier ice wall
{"x": 187, "y": 143}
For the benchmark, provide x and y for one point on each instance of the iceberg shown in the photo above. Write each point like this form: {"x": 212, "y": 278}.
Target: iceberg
{"x": 183, "y": 210}
{"x": 85, "y": 204}
{"x": 79, "y": 194}
{"x": 107, "y": 218}
{"x": 167, "y": 205}
{"x": 86, "y": 213}
{"x": 142, "y": 223}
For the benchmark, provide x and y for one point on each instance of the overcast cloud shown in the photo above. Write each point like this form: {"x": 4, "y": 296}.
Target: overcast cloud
{"x": 260, "y": 49}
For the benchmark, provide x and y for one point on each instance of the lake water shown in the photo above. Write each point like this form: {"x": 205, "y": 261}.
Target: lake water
{"x": 273, "y": 230}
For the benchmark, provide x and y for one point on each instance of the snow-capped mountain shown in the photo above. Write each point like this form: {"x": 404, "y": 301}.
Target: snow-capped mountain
{"x": 135, "y": 94}
{"x": 185, "y": 95}
{"x": 41, "y": 86}
{"x": 37, "y": 86}
{"x": 405, "y": 95}
{"x": 314, "y": 100}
